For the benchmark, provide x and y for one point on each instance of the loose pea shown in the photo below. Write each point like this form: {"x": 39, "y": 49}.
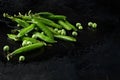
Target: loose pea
{"x": 67, "y": 38}
{"x": 80, "y": 27}
{"x": 90, "y": 23}
{"x": 21, "y": 58}
{"x": 74, "y": 33}
{"x": 26, "y": 30}
{"x": 94, "y": 25}
{"x": 78, "y": 24}
{"x": 6, "y": 48}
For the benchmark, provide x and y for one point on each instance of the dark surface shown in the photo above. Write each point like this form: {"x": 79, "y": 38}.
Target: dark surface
{"x": 95, "y": 56}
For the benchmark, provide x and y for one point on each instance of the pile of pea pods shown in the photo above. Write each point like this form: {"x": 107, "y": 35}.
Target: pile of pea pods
{"x": 37, "y": 30}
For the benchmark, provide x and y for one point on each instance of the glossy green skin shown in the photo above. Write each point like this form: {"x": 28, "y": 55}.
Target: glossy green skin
{"x": 67, "y": 38}
{"x": 21, "y": 22}
{"x": 70, "y": 25}
{"x": 26, "y": 30}
{"x": 30, "y": 39}
{"x": 42, "y": 27}
{"x": 45, "y": 38}
{"x": 64, "y": 25}
{"x": 49, "y": 22}
{"x": 57, "y": 17}
{"x": 27, "y": 48}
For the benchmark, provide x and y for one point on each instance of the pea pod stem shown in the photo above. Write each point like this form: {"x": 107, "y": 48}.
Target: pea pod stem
{"x": 67, "y": 38}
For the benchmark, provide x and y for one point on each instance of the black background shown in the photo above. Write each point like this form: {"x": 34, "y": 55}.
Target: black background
{"x": 95, "y": 56}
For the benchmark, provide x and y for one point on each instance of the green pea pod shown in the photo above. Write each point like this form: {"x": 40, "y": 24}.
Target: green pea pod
{"x": 70, "y": 25}
{"x": 26, "y": 30}
{"x": 57, "y": 17}
{"x": 64, "y": 25}
{"x": 26, "y": 49}
{"x": 49, "y": 22}
{"x": 45, "y": 38}
{"x": 42, "y": 27}
{"x": 44, "y": 13}
{"x": 30, "y": 39}
{"x": 19, "y": 21}
{"x": 67, "y": 38}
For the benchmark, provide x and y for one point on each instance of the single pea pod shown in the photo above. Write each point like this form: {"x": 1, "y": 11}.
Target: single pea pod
{"x": 70, "y": 25}
{"x": 57, "y": 17}
{"x": 45, "y": 38}
{"x": 67, "y": 38}
{"x": 64, "y": 25}
{"x": 49, "y": 22}
{"x": 42, "y": 27}
{"x": 26, "y": 30}
{"x": 30, "y": 39}
{"x": 44, "y": 14}
{"x": 26, "y": 49}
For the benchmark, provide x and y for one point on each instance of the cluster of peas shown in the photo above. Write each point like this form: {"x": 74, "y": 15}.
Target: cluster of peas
{"x": 40, "y": 29}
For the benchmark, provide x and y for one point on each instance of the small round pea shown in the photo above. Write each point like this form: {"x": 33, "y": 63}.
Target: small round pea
{"x": 94, "y": 25}
{"x": 56, "y": 29}
{"x": 24, "y": 43}
{"x": 34, "y": 36}
{"x": 29, "y": 43}
{"x": 78, "y": 24}
{"x": 74, "y": 33}
{"x": 80, "y": 27}
{"x": 63, "y": 32}
{"x": 90, "y": 23}
{"x": 21, "y": 58}
{"x": 6, "y": 48}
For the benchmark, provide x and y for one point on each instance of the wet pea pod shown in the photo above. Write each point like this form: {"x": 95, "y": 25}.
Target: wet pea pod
{"x": 42, "y": 27}
{"x": 26, "y": 49}
{"x": 67, "y": 38}
{"x": 44, "y": 38}
{"x": 26, "y": 30}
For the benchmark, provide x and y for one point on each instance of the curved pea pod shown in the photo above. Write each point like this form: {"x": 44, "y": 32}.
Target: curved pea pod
{"x": 42, "y": 27}
{"x": 30, "y": 39}
{"x": 67, "y": 38}
{"x": 70, "y": 25}
{"x": 25, "y": 49}
{"x": 57, "y": 17}
{"x": 49, "y": 22}
{"x": 45, "y": 38}
{"x": 64, "y": 25}
{"x": 26, "y": 30}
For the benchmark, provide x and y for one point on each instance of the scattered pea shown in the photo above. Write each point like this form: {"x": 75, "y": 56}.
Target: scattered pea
{"x": 78, "y": 24}
{"x": 90, "y": 23}
{"x": 94, "y": 25}
{"x": 74, "y": 33}
{"x": 21, "y": 58}
{"x": 6, "y": 48}
{"x": 80, "y": 27}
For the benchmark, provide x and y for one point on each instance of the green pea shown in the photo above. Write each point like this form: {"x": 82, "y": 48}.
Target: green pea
{"x": 94, "y": 25}
{"x": 64, "y": 25}
{"x": 74, "y": 33}
{"x": 67, "y": 38}
{"x": 90, "y": 23}
{"x": 26, "y": 30}
{"x": 78, "y": 24}
{"x": 54, "y": 31}
{"x": 31, "y": 39}
{"x": 80, "y": 27}
{"x": 21, "y": 58}
{"x": 6, "y": 48}
{"x": 63, "y": 32}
